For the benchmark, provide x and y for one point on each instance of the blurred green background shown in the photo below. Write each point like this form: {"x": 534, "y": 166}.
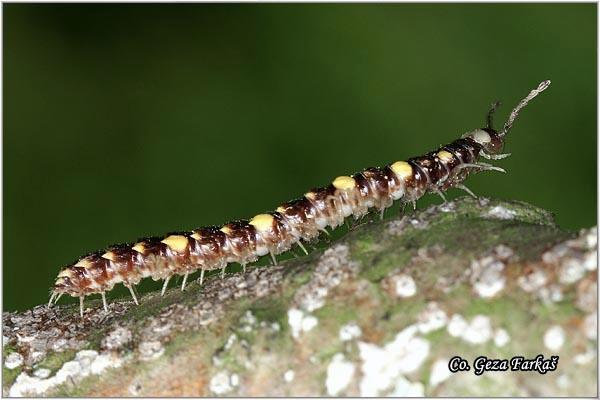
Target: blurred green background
{"x": 127, "y": 120}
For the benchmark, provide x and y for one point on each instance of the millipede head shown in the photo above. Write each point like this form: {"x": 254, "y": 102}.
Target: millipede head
{"x": 490, "y": 140}
{"x": 493, "y": 141}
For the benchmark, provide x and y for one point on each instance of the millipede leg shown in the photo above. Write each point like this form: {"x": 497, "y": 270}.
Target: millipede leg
{"x": 495, "y": 156}
{"x": 414, "y": 204}
{"x": 244, "y": 268}
{"x": 184, "y": 281}
{"x": 51, "y": 298}
{"x": 104, "y": 301}
{"x": 482, "y": 166}
{"x": 58, "y": 297}
{"x": 273, "y": 259}
{"x": 402, "y": 208}
{"x": 81, "y": 306}
{"x": 325, "y": 231}
{"x": 441, "y": 194}
{"x": 466, "y": 189}
{"x": 201, "y": 276}
{"x": 381, "y": 213}
{"x": 164, "y": 288}
{"x": 223, "y": 272}
{"x": 302, "y": 247}
{"x": 135, "y": 300}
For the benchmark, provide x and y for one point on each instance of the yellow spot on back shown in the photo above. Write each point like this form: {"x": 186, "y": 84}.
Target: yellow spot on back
{"x": 344, "y": 183}
{"x": 310, "y": 195}
{"x": 109, "y": 255}
{"x": 83, "y": 263}
{"x": 65, "y": 273}
{"x": 139, "y": 247}
{"x": 280, "y": 210}
{"x": 402, "y": 169}
{"x": 196, "y": 236}
{"x": 176, "y": 242}
{"x": 262, "y": 222}
{"x": 445, "y": 156}
{"x": 226, "y": 230}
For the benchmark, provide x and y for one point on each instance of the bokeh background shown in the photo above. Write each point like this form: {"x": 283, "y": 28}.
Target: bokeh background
{"x": 127, "y": 120}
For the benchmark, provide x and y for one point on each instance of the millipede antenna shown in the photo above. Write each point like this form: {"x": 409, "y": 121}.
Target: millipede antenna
{"x": 515, "y": 112}
{"x": 490, "y": 116}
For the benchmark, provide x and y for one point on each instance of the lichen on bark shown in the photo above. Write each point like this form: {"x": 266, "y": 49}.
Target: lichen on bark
{"x": 379, "y": 311}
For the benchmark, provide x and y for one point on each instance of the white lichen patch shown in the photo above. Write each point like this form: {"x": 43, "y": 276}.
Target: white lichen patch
{"x": 289, "y": 375}
{"x": 571, "y": 270}
{"x": 406, "y": 388}
{"x": 487, "y": 276}
{"x": 563, "y": 381}
{"x": 381, "y": 366}
{"x": 150, "y": 350}
{"x": 590, "y": 326}
{"x": 230, "y": 341}
{"x": 13, "y": 360}
{"x": 587, "y": 295}
{"x": 339, "y": 375}
{"x": 550, "y": 294}
{"x": 574, "y": 257}
{"x": 585, "y": 358}
{"x": 300, "y": 322}
{"x": 533, "y": 281}
{"x": 554, "y": 338}
{"x": 439, "y": 372}
{"x": 405, "y": 285}
{"x": 333, "y": 268}
{"x": 42, "y": 373}
{"x": 86, "y": 362}
{"x": 221, "y": 383}
{"x": 349, "y": 332}
{"x": 501, "y": 337}
{"x": 478, "y": 331}
{"x": 457, "y": 325}
{"x": 503, "y": 252}
{"x": 500, "y": 212}
{"x": 431, "y": 318}
{"x": 117, "y": 338}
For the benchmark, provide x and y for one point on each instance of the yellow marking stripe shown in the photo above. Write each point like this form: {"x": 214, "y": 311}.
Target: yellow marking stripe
{"x": 226, "y": 230}
{"x": 139, "y": 247}
{"x": 109, "y": 255}
{"x": 344, "y": 183}
{"x": 445, "y": 156}
{"x": 262, "y": 222}
{"x": 65, "y": 273}
{"x": 83, "y": 263}
{"x": 176, "y": 242}
{"x": 402, "y": 169}
{"x": 196, "y": 236}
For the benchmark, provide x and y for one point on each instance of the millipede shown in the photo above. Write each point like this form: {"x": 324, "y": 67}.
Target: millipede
{"x": 301, "y": 220}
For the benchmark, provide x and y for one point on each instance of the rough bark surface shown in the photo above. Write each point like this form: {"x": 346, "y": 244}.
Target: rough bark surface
{"x": 379, "y": 311}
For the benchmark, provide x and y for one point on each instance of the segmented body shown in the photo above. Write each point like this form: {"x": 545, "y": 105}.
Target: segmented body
{"x": 294, "y": 222}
